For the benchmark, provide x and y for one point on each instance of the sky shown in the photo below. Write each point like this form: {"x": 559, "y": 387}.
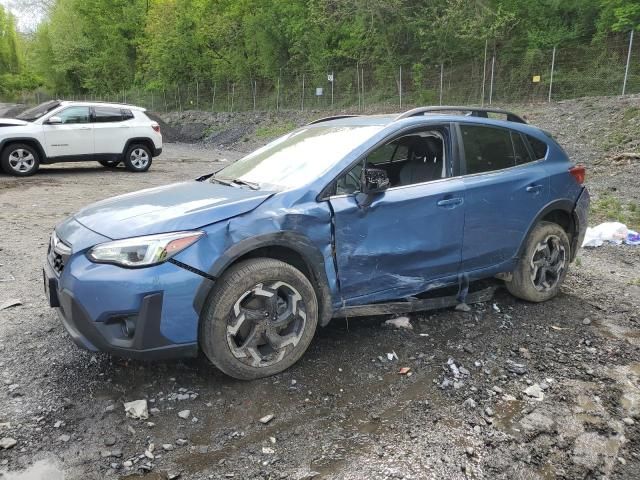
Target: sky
{"x": 27, "y": 14}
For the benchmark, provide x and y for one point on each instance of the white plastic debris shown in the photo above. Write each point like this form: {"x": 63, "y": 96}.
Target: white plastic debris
{"x": 137, "y": 409}
{"x": 614, "y": 232}
{"x": 267, "y": 418}
{"x": 392, "y": 356}
{"x": 400, "y": 322}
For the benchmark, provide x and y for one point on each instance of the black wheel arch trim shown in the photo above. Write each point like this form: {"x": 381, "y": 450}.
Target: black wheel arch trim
{"x": 565, "y": 205}
{"x": 148, "y": 142}
{"x": 36, "y": 142}
{"x": 313, "y": 258}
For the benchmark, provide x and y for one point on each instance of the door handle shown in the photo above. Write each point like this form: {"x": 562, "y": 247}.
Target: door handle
{"x": 450, "y": 202}
{"x": 534, "y": 188}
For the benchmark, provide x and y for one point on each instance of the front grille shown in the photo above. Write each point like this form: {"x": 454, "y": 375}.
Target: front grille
{"x": 58, "y": 253}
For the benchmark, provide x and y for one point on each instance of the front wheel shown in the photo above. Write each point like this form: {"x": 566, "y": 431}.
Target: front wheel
{"x": 137, "y": 158}
{"x": 20, "y": 160}
{"x": 259, "y": 320}
{"x": 543, "y": 265}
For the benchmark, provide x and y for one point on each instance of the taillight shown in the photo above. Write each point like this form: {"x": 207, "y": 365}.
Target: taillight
{"x": 578, "y": 173}
{"x": 156, "y": 127}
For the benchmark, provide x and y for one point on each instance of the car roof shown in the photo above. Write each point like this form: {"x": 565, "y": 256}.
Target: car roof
{"x": 102, "y": 104}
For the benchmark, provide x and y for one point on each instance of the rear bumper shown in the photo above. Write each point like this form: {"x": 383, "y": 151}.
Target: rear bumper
{"x": 157, "y": 151}
{"x": 107, "y": 334}
{"x": 580, "y": 215}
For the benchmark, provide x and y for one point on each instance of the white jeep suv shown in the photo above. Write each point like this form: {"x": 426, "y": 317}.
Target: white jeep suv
{"x": 62, "y": 131}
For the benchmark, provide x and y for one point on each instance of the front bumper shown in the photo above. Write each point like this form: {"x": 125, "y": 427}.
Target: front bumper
{"x": 97, "y": 322}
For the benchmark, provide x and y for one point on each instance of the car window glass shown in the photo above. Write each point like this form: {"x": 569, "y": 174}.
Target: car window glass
{"x": 486, "y": 148}
{"x": 127, "y": 114}
{"x": 107, "y": 114}
{"x": 383, "y": 154}
{"x": 74, "y": 115}
{"x": 539, "y": 147}
{"x": 402, "y": 153}
{"x": 520, "y": 149}
{"x": 350, "y": 182}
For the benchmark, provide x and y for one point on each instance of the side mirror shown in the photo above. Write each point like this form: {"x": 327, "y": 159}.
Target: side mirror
{"x": 54, "y": 120}
{"x": 374, "y": 180}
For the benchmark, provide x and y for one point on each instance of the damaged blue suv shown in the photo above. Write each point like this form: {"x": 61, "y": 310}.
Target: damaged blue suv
{"x": 347, "y": 216}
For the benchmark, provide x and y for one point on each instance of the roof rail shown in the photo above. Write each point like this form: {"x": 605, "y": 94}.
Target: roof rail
{"x": 472, "y": 111}
{"x": 335, "y": 117}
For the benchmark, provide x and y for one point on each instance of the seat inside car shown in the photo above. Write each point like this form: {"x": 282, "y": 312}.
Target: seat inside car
{"x": 425, "y": 163}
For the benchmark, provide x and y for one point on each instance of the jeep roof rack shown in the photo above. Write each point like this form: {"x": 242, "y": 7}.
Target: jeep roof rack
{"x": 334, "y": 117}
{"x": 472, "y": 111}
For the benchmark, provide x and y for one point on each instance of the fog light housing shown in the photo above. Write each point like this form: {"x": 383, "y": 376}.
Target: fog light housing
{"x": 128, "y": 327}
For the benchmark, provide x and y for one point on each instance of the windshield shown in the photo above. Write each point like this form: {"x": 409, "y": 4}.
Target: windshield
{"x": 35, "y": 113}
{"x": 299, "y": 157}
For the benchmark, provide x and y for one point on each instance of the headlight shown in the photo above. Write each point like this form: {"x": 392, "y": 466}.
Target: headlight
{"x": 143, "y": 251}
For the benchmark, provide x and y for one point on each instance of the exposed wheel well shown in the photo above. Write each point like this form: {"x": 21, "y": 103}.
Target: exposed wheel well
{"x": 562, "y": 218}
{"x": 147, "y": 142}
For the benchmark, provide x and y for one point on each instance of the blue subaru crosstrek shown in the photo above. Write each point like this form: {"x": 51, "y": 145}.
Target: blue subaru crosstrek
{"x": 346, "y": 216}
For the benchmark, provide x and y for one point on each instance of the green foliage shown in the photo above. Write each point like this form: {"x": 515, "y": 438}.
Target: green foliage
{"x": 275, "y": 130}
{"x": 107, "y": 46}
{"x": 610, "y": 208}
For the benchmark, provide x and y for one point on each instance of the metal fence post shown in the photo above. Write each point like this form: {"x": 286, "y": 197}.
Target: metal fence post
{"x": 493, "y": 64}
{"x": 303, "y": 92}
{"x": 626, "y": 70}
{"x": 197, "y": 95}
{"x": 553, "y": 66}
{"x": 358, "y": 82}
{"x": 278, "y": 92}
{"x": 400, "y": 86}
{"x": 233, "y": 93}
{"x": 333, "y": 79}
{"x": 362, "y": 85}
{"x": 213, "y": 98}
{"x": 441, "y": 80}
{"x": 484, "y": 70}
{"x": 255, "y": 87}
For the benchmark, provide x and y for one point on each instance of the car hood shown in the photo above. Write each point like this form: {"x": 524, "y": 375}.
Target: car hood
{"x": 12, "y": 122}
{"x": 179, "y": 206}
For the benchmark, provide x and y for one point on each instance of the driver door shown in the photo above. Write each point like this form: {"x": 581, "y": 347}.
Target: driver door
{"x": 72, "y": 137}
{"x": 408, "y": 240}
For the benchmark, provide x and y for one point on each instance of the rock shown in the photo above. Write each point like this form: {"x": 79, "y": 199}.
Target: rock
{"x": 110, "y": 441}
{"x": 127, "y": 464}
{"x": 137, "y": 409}
{"x": 181, "y": 442}
{"x": 489, "y": 411}
{"x": 400, "y": 322}
{"x": 517, "y": 368}
{"x": 536, "y": 423}
{"x": 154, "y": 411}
{"x": 470, "y": 451}
{"x": 268, "y": 450}
{"x": 64, "y": 438}
{"x": 58, "y": 424}
{"x": 524, "y": 353}
{"x": 586, "y": 321}
{"x": 628, "y": 421}
{"x": 167, "y": 447}
{"x": 7, "y": 442}
{"x": 496, "y": 389}
{"x": 184, "y": 414}
{"x": 110, "y": 408}
{"x": 535, "y": 392}
{"x": 469, "y": 403}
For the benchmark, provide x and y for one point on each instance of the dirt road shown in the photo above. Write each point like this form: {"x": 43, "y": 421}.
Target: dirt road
{"x": 508, "y": 390}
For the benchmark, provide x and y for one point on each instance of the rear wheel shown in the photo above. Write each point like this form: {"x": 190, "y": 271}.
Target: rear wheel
{"x": 20, "y": 160}
{"x": 259, "y": 320}
{"x": 138, "y": 158}
{"x": 543, "y": 265}
{"x": 109, "y": 163}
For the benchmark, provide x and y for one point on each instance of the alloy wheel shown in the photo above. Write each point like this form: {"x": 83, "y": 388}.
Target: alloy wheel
{"x": 21, "y": 160}
{"x": 266, "y": 323}
{"x": 548, "y": 263}
{"x": 139, "y": 158}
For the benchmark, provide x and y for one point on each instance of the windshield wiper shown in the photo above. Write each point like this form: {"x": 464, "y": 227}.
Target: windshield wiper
{"x": 251, "y": 185}
{"x": 223, "y": 182}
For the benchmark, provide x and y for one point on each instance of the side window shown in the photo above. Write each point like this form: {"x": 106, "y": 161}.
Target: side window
{"x": 74, "y": 115}
{"x": 383, "y": 154}
{"x": 107, "y": 114}
{"x": 520, "y": 149}
{"x": 486, "y": 148}
{"x": 350, "y": 182}
{"x": 127, "y": 114}
{"x": 538, "y": 147}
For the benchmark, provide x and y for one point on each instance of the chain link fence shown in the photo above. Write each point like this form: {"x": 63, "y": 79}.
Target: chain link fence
{"x": 491, "y": 76}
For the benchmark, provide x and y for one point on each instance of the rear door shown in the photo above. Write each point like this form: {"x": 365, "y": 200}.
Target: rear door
{"x": 505, "y": 189}
{"x": 73, "y": 137}
{"x": 111, "y": 127}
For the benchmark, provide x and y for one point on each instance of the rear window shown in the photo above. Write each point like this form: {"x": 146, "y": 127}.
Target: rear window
{"x": 538, "y": 147}
{"x": 486, "y": 148}
{"x": 520, "y": 149}
{"x": 107, "y": 114}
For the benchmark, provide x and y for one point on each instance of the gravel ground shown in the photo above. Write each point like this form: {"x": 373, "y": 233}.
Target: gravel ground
{"x": 508, "y": 390}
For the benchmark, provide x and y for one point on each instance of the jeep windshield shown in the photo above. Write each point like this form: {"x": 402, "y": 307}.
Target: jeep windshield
{"x": 297, "y": 158}
{"x": 35, "y": 113}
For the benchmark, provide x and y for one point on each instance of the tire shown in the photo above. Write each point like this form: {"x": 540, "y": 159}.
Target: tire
{"x": 247, "y": 332}
{"x": 20, "y": 160}
{"x": 138, "y": 158}
{"x": 543, "y": 265}
{"x": 109, "y": 163}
